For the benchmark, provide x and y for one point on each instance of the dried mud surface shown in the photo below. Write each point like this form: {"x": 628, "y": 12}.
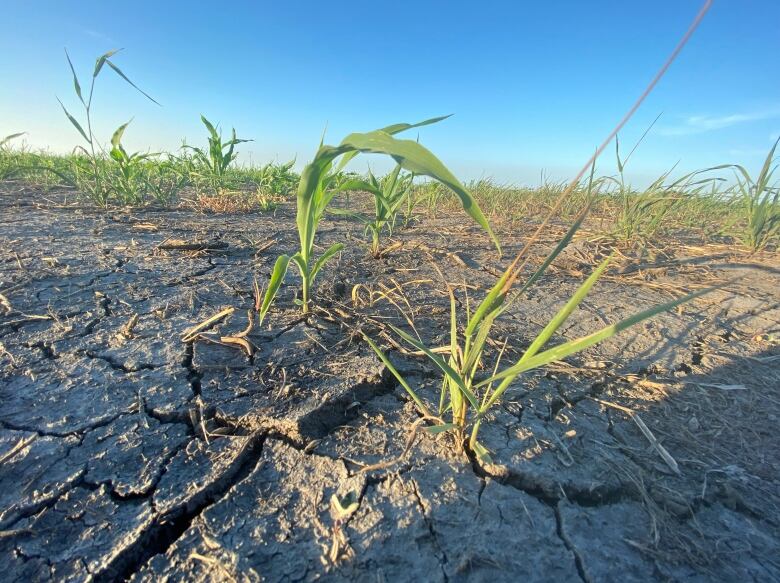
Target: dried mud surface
{"x": 127, "y": 454}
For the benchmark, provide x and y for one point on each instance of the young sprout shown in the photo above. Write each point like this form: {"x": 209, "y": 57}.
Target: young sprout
{"x": 389, "y": 194}
{"x": 213, "y": 163}
{"x": 315, "y": 193}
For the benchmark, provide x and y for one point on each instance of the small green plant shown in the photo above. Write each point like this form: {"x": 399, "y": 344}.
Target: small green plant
{"x": 212, "y": 164}
{"x": 465, "y": 395}
{"x": 315, "y": 193}
{"x": 389, "y": 194}
{"x": 761, "y": 201}
{"x": 7, "y": 166}
{"x": 89, "y": 170}
{"x": 129, "y": 184}
{"x": 273, "y": 179}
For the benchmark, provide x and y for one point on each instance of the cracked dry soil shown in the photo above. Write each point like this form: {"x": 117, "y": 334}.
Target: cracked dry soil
{"x": 126, "y": 454}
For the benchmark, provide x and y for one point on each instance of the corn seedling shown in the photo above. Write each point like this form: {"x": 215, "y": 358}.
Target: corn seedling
{"x": 315, "y": 193}
{"x": 92, "y": 177}
{"x": 389, "y": 194}
{"x": 212, "y": 163}
{"x": 129, "y": 184}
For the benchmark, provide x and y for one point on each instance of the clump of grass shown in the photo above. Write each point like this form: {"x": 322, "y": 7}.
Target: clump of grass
{"x": 90, "y": 174}
{"x": 466, "y": 396}
{"x": 7, "y": 166}
{"x": 315, "y": 192}
{"x": 761, "y": 202}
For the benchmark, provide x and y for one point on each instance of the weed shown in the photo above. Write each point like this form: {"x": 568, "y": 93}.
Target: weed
{"x": 761, "y": 200}
{"x": 465, "y": 395}
{"x": 89, "y": 172}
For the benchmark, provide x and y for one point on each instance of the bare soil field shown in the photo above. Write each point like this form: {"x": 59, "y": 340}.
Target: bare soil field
{"x": 127, "y": 453}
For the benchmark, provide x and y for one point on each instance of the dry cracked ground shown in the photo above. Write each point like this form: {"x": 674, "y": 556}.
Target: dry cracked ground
{"x": 128, "y": 454}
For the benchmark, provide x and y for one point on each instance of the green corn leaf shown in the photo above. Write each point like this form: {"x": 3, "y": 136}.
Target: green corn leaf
{"x": 210, "y": 127}
{"x": 401, "y": 380}
{"x": 452, "y": 375}
{"x": 419, "y": 160}
{"x": 277, "y": 277}
{"x": 357, "y": 184}
{"x": 116, "y": 139}
{"x": 441, "y": 428}
{"x": 330, "y": 252}
{"x": 75, "y": 122}
{"x": 303, "y": 267}
{"x": 392, "y": 130}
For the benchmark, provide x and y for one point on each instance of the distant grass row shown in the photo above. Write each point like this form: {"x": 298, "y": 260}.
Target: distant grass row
{"x": 723, "y": 201}
{"x": 706, "y": 208}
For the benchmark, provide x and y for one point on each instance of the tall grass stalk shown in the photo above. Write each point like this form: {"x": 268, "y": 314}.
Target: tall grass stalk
{"x": 462, "y": 392}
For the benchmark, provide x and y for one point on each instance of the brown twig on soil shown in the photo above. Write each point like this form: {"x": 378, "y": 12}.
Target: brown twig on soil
{"x": 190, "y": 334}
{"x": 665, "y": 455}
{"x": 182, "y": 245}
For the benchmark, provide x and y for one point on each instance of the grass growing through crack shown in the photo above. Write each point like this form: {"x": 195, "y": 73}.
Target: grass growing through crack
{"x": 465, "y": 396}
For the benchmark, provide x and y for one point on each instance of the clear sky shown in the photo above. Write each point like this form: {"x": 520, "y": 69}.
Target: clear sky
{"x": 534, "y": 86}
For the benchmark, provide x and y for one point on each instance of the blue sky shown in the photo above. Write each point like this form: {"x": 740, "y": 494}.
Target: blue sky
{"x": 534, "y": 86}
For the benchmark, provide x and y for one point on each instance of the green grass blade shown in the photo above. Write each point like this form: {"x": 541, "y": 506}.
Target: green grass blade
{"x": 76, "y": 84}
{"x": 566, "y": 238}
{"x": 568, "y": 348}
{"x": 136, "y": 87}
{"x": 492, "y": 301}
{"x": 453, "y": 376}
{"x": 564, "y": 312}
{"x": 75, "y": 123}
{"x": 401, "y": 380}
